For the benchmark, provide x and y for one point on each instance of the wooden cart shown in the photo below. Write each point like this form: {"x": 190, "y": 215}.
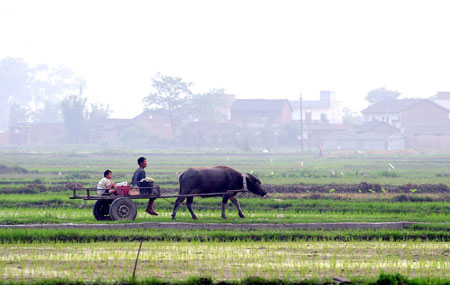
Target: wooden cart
{"x": 121, "y": 207}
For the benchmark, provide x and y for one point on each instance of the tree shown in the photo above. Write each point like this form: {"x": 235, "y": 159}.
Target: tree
{"x": 53, "y": 84}
{"x": 206, "y": 106}
{"x": 351, "y": 117}
{"x": 75, "y": 122}
{"x": 172, "y": 96}
{"x": 50, "y": 113}
{"x": 15, "y": 80}
{"x": 80, "y": 122}
{"x": 98, "y": 112}
{"x": 36, "y": 88}
{"x": 380, "y": 94}
{"x": 18, "y": 115}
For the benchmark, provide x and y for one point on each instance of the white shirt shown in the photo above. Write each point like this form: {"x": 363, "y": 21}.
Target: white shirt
{"x": 102, "y": 185}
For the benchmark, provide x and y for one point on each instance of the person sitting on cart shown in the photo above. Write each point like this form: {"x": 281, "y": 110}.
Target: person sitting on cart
{"x": 105, "y": 185}
{"x": 138, "y": 175}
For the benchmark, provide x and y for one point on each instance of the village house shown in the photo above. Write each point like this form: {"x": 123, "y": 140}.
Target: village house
{"x": 371, "y": 135}
{"x": 428, "y": 136}
{"x": 364, "y": 141}
{"x": 325, "y": 110}
{"x": 46, "y": 134}
{"x": 155, "y": 123}
{"x": 314, "y": 134}
{"x": 398, "y": 124}
{"x": 442, "y": 99}
{"x": 406, "y": 112}
{"x": 146, "y": 127}
{"x": 4, "y": 138}
{"x": 261, "y": 112}
{"x": 110, "y": 130}
{"x": 376, "y": 127}
{"x": 224, "y": 111}
{"x": 321, "y": 118}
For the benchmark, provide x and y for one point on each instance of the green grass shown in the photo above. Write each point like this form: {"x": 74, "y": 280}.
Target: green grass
{"x": 49, "y": 207}
{"x": 430, "y": 232}
{"x": 56, "y": 209}
{"x": 286, "y": 167}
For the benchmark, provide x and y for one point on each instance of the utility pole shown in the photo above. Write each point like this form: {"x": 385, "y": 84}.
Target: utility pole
{"x": 301, "y": 121}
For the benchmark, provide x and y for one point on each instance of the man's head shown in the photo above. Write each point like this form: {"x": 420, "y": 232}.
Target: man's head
{"x": 142, "y": 162}
{"x": 107, "y": 174}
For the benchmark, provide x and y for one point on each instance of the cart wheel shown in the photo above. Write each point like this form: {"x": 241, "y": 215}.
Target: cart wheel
{"x": 123, "y": 209}
{"x": 101, "y": 210}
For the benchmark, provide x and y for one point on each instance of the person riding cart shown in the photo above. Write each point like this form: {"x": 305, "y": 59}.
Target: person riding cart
{"x": 106, "y": 186}
{"x": 139, "y": 179}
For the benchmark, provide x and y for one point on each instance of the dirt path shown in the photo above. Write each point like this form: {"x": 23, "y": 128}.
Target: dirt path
{"x": 217, "y": 226}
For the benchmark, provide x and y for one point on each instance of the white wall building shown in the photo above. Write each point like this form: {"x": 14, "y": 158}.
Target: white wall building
{"x": 325, "y": 110}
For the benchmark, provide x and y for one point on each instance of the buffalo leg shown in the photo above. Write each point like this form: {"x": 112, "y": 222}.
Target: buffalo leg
{"x": 189, "y": 202}
{"x": 236, "y": 203}
{"x": 224, "y": 204}
{"x": 177, "y": 205}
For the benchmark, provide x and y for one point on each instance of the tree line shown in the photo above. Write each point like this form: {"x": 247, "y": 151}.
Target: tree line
{"x": 45, "y": 94}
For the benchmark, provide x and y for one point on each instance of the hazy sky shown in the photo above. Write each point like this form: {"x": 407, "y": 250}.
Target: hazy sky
{"x": 254, "y": 49}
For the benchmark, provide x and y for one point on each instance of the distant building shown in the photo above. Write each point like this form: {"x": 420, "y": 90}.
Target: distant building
{"x": 364, "y": 141}
{"x": 375, "y": 127}
{"x": 261, "y": 112}
{"x": 224, "y": 111}
{"x": 110, "y": 130}
{"x": 326, "y": 110}
{"x": 406, "y": 112}
{"x": 442, "y": 99}
{"x": 314, "y": 134}
{"x": 155, "y": 123}
{"x": 144, "y": 128}
{"x": 4, "y": 138}
{"x": 428, "y": 136}
{"x": 46, "y": 134}
{"x": 18, "y": 134}
{"x": 368, "y": 136}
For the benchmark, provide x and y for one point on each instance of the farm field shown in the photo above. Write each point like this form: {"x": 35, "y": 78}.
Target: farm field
{"x": 224, "y": 260}
{"x": 15, "y": 210}
{"x": 272, "y": 168}
{"x": 302, "y": 188}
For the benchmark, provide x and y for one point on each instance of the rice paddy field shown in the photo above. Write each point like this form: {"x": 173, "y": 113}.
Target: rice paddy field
{"x": 302, "y": 188}
{"x": 224, "y": 260}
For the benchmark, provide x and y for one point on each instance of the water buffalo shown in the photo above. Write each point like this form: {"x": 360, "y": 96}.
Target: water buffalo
{"x": 217, "y": 179}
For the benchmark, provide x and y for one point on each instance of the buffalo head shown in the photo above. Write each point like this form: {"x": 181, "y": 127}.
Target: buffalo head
{"x": 254, "y": 185}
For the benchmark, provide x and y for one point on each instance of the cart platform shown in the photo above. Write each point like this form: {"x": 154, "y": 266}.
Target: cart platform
{"x": 121, "y": 207}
